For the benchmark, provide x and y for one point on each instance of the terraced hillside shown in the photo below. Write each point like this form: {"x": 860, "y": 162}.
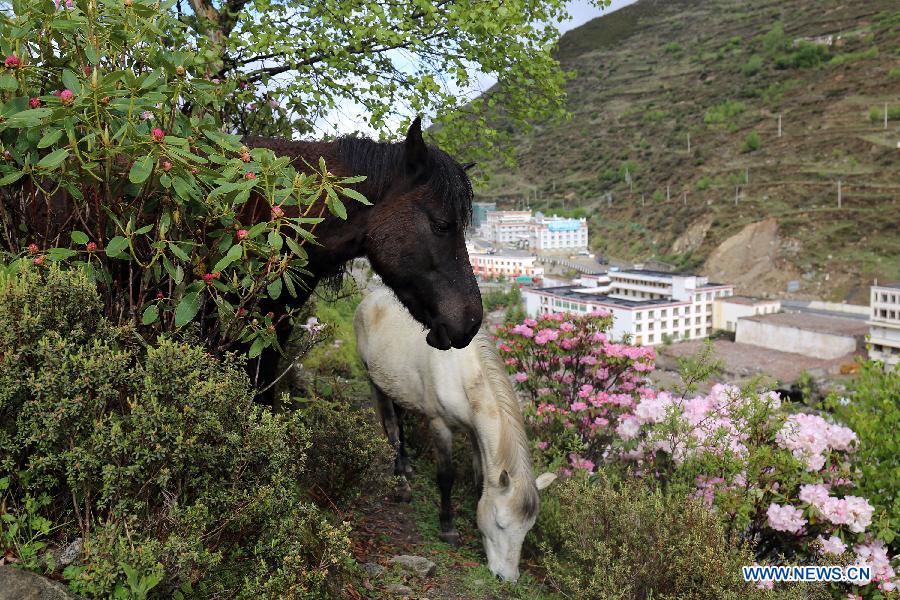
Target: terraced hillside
{"x": 673, "y": 148}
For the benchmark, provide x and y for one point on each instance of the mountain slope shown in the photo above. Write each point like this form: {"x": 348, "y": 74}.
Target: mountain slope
{"x": 656, "y": 74}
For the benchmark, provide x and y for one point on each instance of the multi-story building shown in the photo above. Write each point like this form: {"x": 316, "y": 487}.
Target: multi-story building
{"x": 728, "y": 309}
{"x": 884, "y": 324}
{"x": 556, "y": 234}
{"x": 506, "y": 226}
{"x": 506, "y": 263}
{"x": 480, "y": 211}
{"x": 541, "y": 233}
{"x": 650, "y": 306}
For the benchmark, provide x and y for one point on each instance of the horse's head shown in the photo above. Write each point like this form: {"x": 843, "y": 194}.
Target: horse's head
{"x": 415, "y": 242}
{"x": 507, "y": 510}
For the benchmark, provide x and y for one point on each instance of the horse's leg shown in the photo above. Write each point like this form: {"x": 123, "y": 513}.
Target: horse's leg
{"x": 391, "y": 423}
{"x": 443, "y": 449}
{"x": 403, "y": 457}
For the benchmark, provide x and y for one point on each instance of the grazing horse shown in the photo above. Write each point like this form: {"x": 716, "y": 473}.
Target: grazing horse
{"x": 464, "y": 389}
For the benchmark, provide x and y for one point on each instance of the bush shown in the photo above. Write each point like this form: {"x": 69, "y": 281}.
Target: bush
{"x": 871, "y": 410}
{"x": 753, "y": 66}
{"x": 603, "y": 538}
{"x": 876, "y": 113}
{"x": 104, "y": 122}
{"x": 155, "y": 455}
{"x": 751, "y": 143}
{"x": 724, "y": 113}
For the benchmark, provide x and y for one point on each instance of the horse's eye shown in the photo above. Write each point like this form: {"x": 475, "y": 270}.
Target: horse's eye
{"x": 441, "y": 227}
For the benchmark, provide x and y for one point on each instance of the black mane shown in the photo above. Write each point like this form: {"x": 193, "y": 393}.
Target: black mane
{"x": 383, "y": 163}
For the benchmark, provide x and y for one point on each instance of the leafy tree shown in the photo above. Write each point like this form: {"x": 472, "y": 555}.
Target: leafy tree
{"x": 387, "y": 58}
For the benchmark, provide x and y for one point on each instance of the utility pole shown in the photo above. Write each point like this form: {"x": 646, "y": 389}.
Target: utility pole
{"x": 642, "y": 200}
{"x": 684, "y": 197}
{"x": 779, "y": 124}
{"x": 885, "y": 115}
{"x": 609, "y": 199}
{"x": 840, "y": 199}
{"x": 689, "y": 142}
{"x": 668, "y": 195}
{"x": 737, "y": 194}
{"x": 747, "y": 176}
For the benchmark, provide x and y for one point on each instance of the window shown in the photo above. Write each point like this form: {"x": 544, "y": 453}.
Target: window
{"x": 650, "y": 339}
{"x": 637, "y": 328}
{"x": 663, "y": 313}
{"x": 697, "y": 333}
{"x": 650, "y": 314}
{"x": 638, "y": 316}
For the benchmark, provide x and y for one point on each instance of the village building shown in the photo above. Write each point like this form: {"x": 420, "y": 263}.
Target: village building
{"x": 884, "y": 324}
{"x": 511, "y": 264}
{"x": 649, "y": 306}
{"x": 815, "y": 335}
{"x": 728, "y": 309}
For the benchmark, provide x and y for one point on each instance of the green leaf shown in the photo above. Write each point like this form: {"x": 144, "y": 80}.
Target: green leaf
{"x": 54, "y": 159}
{"x": 79, "y": 237}
{"x": 11, "y": 178}
{"x": 70, "y": 80}
{"x": 351, "y": 193}
{"x": 336, "y": 206}
{"x": 256, "y": 348}
{"x": 55, "y": 254}
{"x": 151, "y": 314}
{"x": 295, "y": 247}
{"x": 116, "y": 246}
{"x": 141, "y": 170}
{"x": 234, "y": 253}
{"x": 274, "y": 289}
{"x": 177, "y": 251}
{"x": 274, "y": 240}
{"x": 50, "y": 138}
{"x": 187, "y": 309}
{"x": 8, "y": 83}
{"x": 28, "y": 118}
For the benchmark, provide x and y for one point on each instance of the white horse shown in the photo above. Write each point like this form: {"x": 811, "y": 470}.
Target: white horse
{"x": 455, "y": 389}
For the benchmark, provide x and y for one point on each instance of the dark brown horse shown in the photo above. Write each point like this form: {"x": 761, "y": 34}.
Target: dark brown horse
{"x": 413, "y": 234}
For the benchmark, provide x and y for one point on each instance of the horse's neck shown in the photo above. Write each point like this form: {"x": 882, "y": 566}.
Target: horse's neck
{"x": 340, "y": 239}
{"x": 501, "y": 440}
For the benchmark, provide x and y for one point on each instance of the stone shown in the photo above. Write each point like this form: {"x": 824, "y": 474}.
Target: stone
{"x": 398, "y": 589}
{"x": 418, "y": 565}
{"x": 18, "y": 584}
{"x": 373, "y": 569}
{"x": 70, "y": 553}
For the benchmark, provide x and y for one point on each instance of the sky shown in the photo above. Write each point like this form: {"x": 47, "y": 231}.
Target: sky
{"x": 348, "y": 118}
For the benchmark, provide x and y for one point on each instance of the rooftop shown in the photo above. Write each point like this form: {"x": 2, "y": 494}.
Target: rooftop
{"x": 575, "y": 293}
{"x": 895, "y": 286}
{"x": 813, "y": 322}
{"x": 506, "y": 254}
{"x": 745, "y": 300}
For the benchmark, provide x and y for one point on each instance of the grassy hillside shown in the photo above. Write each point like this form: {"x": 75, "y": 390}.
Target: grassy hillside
{"x": 654, "y": 74}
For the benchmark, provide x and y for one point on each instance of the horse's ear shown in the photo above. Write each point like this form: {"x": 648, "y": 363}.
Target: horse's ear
{"x": 504, "y": 479}
{"x": 468, "y": 166}
{"x": 544, "y": 480}
{"x": 415, "y": 149}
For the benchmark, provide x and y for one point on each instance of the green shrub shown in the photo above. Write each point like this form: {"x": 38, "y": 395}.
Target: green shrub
{"x": 619, "y": 539}
{"x": 893, "y": 74}
{"x": 872, "y": 411}
{"x": 752, "y": 66}
{"x": 156, "y": 456}
{"x": 876, "y": 113}
{"x": 672, "y": 48}
{"x": 751, "y": 143}
{"x": 654, "y": 116}
{"x": 724, "y": 112}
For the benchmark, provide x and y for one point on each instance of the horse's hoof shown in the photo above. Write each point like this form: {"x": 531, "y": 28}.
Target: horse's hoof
{"x": 403, "y": 493}
{"x": 451, "y": 537}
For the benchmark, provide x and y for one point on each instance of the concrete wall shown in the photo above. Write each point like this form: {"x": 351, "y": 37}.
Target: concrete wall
{"x": 727, "y": 313}
{"x": 797, "y": 341}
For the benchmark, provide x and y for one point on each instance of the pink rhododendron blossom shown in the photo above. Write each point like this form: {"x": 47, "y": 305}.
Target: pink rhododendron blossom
{"x": 875, "y": 555}
{"x": 785, "y": 518}
{"x": 520, "y": 377}
{"x": 832, "y": 545}
{"x": 809, "y": 437}
{"x": 814, "y": 495}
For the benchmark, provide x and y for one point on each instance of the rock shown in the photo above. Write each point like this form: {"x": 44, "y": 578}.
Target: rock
{"x": 16, "y": 584}
{"x": 373, "y": 569}
{"x": 418, "y": 565}
{"x": 398, "y": 589}
{"x": 69, "y": 554}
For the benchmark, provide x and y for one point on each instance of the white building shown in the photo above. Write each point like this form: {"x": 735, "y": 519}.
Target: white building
{"x": 556, "y": 234}
{"x": 506, "y": 263}
{"x": 506, "y": 226}
{"x": 884, "y": 324}
{"x": 543, "y": 234}
{"x": 728, "y": 309}
{"x": 652, "y": 307}
{"x": 814, "y": 335}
